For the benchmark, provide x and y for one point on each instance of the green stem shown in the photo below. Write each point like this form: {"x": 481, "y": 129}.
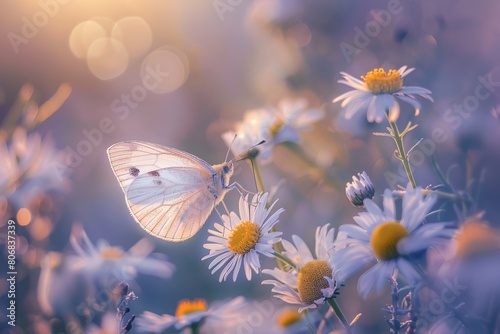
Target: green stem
{"x": 440, "y": 194}
{"x": 402, "y": 153}
{"x": 195, "y": 328}
{"x": 285, "y": 260}
{"x": 278, "y": 247}
{"x": 258, "y": 176}
{"x": 427, "y": 192}
{"x": 338, "y": 311}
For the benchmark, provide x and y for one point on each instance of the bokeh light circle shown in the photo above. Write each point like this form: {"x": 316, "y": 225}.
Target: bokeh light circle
{"x": 134, "y": 33}
{"x": 83, "y": 35}
{"x": 164, "y": 70}
{"x": 107, "y": 58}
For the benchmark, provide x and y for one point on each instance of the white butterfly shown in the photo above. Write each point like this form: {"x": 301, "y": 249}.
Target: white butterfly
{"x": 170, "y": 193}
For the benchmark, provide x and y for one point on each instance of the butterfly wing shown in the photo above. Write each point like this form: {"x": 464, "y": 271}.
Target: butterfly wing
{"x": 173, "y": 203}
{"x": 167, "y": 190}
{"x": 130, "y": 159}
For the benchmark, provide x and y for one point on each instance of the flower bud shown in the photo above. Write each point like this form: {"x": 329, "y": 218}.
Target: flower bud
{"x": 359, "y": 189}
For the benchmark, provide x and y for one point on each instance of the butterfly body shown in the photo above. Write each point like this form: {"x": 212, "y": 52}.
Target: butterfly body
{"x": 169, "y": 192}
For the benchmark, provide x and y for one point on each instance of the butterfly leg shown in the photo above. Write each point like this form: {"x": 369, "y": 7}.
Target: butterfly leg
{"x": 240, "y": 188}
{"x": 225, "y": 208}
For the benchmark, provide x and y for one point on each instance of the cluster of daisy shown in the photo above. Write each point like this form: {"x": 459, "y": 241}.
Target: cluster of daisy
{"x": 396, "y": 239}
{"x": 387, "y": 244}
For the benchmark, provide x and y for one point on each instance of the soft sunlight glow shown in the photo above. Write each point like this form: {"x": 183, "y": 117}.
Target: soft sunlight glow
{"x": 135, "y": 35}
{"x": 82, "y": 37}
{"x": 107, "y": 58}
{"x": 168, "y": 67}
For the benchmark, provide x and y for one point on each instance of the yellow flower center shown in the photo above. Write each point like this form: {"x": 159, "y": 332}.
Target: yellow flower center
{"x": 243, "y": 238}
{"x": 275, "y": 128}
{"x": 379, "y": 82}
{"x": 288, "y": 317}
{"x": 111, "y": 253}
{"x": 311, "y": 279}
{"x": 187, "y": 306}
{"x": 384, "y": 240}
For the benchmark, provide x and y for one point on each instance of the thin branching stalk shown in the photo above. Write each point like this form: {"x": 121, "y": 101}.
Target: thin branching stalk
{"x": 401, "y": 153}
{"x": 338, "y": 311}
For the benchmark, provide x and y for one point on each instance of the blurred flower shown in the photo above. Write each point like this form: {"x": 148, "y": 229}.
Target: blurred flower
{"x": 289, "y": 317}
{"x": 60, "y": 286}
{"x": 290, "y": 117}
{"x": 359, "y": 189}
{"x": 274, "y": 14}
{"x": 378, "y": 92}
{"x": 191, "y": 313}
{"x": 243, "y": 237}
{"x": 275, "y": 125}
{"x": 475, "y": 238}
{"x": 109, "y": 325}
{"x": 471, "y": 266}
{"x": 27, "y": 166}
{"x": 311, "y": 282}
{"x": 379, "y": 236}
{"x": 248, "y": 133}
{"x": 106, "y": 260}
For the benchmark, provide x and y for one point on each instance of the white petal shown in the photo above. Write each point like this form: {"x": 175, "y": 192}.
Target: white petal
{"x": 373, "y": 208}
{"x": 386, "y": 270}
{"x": 346, "y": 261}
{"x": 372, "y": 109}
{"x": 355, "y": 232}
{"x": 393, "y": 110}
{"x": 219, "y": 261}
{"x": 365, "y": 220}
{"x": 367, "y": 280}
{"x": 358, "y": 104}
{"x": 348, "y": 96}
{"x": 350, "y": 78}
{"x": 384, "y": 103}
{"x": 403, "y": 71}
{"x": 408, "y": 271}
{"x": 237, "y": 267}
{"x": 414, "y": 90}
{"x": 287, "y": 278}
{"x": 354, "y": 83}
{"x": 416, "y": 105}
{"x": 389, "y": 206}
{"x": 303, "y": 249}
{"x": 410, "y": 244}
{"x": 321, "y": 245}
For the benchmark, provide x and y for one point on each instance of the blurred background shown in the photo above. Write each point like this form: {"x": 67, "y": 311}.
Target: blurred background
{"x": 77, "y": 77}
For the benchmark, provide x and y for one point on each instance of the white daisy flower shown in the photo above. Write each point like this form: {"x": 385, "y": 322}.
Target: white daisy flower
{"x": 191, "y": 313}
{"x": 274, "y": 125}
{"x": 242, "y": 238}
{"x": 289, "y": 118}
{"x": 359, "y": 189}
{"x": 379, "y": 237}
{"x": 377, "y": 93}
{"x": 104, "y": 260}
{"x": 311, "y": 282}
{"x": 249, "y": 132}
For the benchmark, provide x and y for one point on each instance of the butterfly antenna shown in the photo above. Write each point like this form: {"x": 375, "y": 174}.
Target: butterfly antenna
{"x": 244, "y": 155}
{"x": 230, "y": 145}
